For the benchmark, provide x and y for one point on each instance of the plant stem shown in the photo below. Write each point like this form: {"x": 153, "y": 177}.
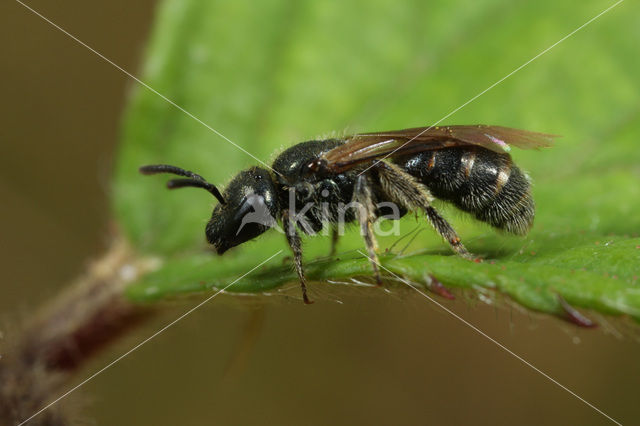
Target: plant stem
{"x": 87, "y": 316}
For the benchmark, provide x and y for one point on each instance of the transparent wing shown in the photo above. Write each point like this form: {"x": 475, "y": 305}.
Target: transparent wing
{"x": 365, "y": 147}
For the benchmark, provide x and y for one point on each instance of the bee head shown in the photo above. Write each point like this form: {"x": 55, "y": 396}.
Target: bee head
{"x": 251, "y": 208}
{"x": 247, "y": 208}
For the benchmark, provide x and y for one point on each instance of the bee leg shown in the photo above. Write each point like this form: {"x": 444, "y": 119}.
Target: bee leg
{"x": 447, "y": 232}
{"x": 334, "y": 241}
{"x": 293, "y": 238}
{"x": 366, "y": 216}
{"x": 404, "y": 189}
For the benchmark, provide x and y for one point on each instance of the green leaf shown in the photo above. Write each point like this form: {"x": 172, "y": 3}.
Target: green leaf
{"x": 270, "y": 74}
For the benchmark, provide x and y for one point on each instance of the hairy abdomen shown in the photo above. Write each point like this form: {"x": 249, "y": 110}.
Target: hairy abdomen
{"x": 476, "y": 180}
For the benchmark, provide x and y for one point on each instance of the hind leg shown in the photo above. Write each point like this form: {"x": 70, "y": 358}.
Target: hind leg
{"x": 411, "y": 194}
{"x": 447, "y": 232}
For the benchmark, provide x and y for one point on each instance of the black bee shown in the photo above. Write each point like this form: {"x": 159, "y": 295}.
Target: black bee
{"x": 468, "y": 166}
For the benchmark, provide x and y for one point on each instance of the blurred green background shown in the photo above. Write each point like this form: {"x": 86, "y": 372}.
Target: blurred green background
{"x": 268, "y": 75}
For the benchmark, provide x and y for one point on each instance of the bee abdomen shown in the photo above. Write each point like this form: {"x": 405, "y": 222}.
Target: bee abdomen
{"x": 482, "y": 182}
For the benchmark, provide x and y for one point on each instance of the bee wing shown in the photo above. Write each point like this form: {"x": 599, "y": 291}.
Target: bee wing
{"x": 365, "y": 147}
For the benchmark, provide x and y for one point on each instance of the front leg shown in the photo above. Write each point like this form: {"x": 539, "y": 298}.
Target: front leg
{"x": 366, "y": 216}
{"x": 293, "y": 238}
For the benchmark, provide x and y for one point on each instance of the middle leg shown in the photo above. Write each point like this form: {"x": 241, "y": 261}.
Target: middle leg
{"x": 362, "y": 195}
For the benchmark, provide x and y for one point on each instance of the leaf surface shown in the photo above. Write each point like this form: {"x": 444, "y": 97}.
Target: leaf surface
{"x": 270, "y": 74}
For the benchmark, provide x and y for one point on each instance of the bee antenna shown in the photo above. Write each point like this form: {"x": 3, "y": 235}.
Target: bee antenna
{"x": 182, "y": 183}
{"x": 194, "y": 180}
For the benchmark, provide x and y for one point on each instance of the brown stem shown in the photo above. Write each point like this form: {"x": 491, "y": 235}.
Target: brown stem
{"x": 88, "y": 315}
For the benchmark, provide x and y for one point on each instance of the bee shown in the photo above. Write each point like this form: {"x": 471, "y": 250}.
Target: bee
{"x": 467, "y": 166}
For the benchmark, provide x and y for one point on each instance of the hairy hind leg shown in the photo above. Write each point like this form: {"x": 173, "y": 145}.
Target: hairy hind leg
{"x": 447, "y": 232}
{"x": 404, "y": 189}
